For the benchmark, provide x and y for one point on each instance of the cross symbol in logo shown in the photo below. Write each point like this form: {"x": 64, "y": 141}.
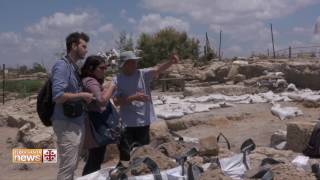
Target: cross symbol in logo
{"x": 49, "y": 155}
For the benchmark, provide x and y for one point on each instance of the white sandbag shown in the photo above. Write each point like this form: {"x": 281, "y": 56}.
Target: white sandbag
{"x": 203, "y": 99}
{"x": 224, "y": 105}
{"x": 257, "y": 99}
{"x": 312, "y": 98}
{"x": 217, "y": 97}
{"x": 157, "y": 102}
{"x": 296, "y": 97}
{"x": 278, "y": 74}
{"x": 170, "y": 174}
{"x": 191, "y": 100}
{"x": 190, "y": 139}
{"x": 280, "y": 83}
{"x": 291, "y": 87}
{"x": 233, "y": 166}
{"x": 202, "y": 108}
{"x": 169, "y": 111}
{"x": 102, "y": 174}
{"x": 299, "y": 95}
{"x": 301, "y": 162}
{"x": 285, "y": 112}
{"x": 240, "y": 62}
{"x": 171, "y": 100}
{"x": 271, "y": 97}
{"x": 236, "y": 98}
{"x": 169, "y": 114}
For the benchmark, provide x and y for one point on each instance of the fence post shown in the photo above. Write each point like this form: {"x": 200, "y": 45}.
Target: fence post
{"x": 289, "y": 52}
{"x": 3, "y": 82}
{"x": 274, "y": 53}
{"x": 220, "y": 45}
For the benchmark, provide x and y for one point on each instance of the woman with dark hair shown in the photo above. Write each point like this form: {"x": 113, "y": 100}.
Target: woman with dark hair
{"x": 93, "y": 74}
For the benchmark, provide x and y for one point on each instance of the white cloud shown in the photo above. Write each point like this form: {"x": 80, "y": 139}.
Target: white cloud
{"x": 124, "y": 15}
{"x": 302, "y": 30}
{"x": 106, "y": 28}
{"x": 60, "y": 21}
{"x": 43, "y": 39}
{"x": 235, "y": 49}
{"x": 131, "y": 20}
{"x": 229, "y": 10}
{"x": 9, "y": 37}
{"x": 316, "y": 38}
{"x": 154, "y": 22}
{"x": 296, "y": 43}
{"x": 242, "y": 21}
{"x": 230, "y": 15}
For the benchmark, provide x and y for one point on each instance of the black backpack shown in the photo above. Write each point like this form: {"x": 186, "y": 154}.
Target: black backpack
{"x": 45, "y": 105}
{"x": 313, "y": 147}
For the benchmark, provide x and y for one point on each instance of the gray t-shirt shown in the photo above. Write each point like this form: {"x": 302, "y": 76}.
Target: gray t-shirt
{"x": 135, "y": 114}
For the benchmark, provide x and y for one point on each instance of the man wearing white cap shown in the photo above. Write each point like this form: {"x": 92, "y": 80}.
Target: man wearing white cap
{"x": 133, "y": 95}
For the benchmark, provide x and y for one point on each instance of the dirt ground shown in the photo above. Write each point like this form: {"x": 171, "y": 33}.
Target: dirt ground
{"x": 246, "y": 121}
{"x": 242, "y": 121}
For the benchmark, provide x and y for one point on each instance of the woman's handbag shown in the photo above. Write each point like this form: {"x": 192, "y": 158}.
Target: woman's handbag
{"x": 106, "y": 126}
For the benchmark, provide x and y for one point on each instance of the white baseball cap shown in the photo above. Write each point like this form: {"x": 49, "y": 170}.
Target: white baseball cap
{"x": 126, "y": 56}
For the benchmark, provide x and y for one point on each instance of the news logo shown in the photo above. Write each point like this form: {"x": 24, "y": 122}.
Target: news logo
{"x": 34, "y": 155}
{"x": 27, "y": 155}
{"x": 49, "y": 156}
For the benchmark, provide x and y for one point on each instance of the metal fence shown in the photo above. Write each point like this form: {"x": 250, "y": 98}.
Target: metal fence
{"x": 299, "y": 52}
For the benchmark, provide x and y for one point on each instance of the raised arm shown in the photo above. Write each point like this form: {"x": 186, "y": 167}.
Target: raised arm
{"x": 158, "y": 69}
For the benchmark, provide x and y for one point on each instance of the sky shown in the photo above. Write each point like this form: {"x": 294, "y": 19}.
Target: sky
{"x": 35, "y": 30}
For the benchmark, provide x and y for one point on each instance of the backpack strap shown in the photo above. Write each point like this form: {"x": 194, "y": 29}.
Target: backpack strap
{"x": 76, "y": 71}
{"x": 183, "y": 158}
{"x": 246, "y": 147}
{"x": 194, "y": 171}
{"x": 144, "y": 89}
{"x": 225, "y": 138}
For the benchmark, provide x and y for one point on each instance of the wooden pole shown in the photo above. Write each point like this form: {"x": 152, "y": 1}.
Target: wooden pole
{"x": 289, "y": 52}
{"x": 3, "y": 82}
{"x": 220, "y": 45}
{"x": 274, "y": 53}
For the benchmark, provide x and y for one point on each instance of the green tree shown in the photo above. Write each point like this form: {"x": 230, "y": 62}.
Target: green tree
{"x": 159, "y": 46}
{"x": 37, "y": 67}
{"x": 23, "y": 69}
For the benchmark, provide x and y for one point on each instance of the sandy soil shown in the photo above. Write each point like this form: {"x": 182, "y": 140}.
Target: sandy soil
{"x": 244, "y": 121}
